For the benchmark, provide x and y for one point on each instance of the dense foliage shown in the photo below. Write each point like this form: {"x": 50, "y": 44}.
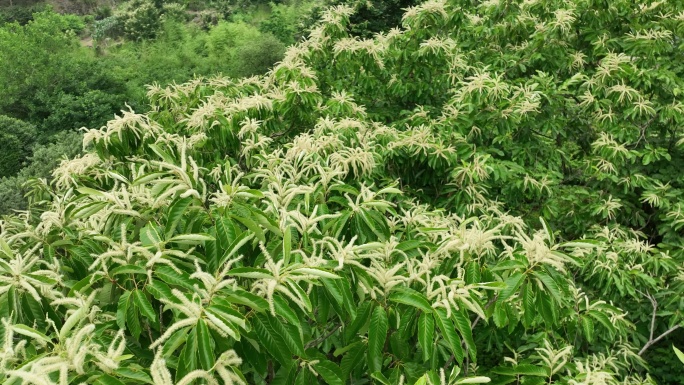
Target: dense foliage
{"x": 489, "y": 194}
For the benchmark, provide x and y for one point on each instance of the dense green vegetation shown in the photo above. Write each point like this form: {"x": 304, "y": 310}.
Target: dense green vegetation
{"x": 490, "y": 193}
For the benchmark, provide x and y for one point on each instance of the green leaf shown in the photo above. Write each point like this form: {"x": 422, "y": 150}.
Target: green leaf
{"x": 363, "y": 316}
{"x": 285, "y": 310}
{"x": 176, "y": 212}
{"x": 335, "y": 291}
{"x": 602, "y": 319}
{"x": 226, "y": 232}
{"x": 205, "y": 348}
{"x": 250, "y": 272}
{"x": 545, "y": 306}
{"x": 446, "y": 327}
{"x": 170, "y": 276}
{"x": 377, "y": 333}
{"x": 187, "y": 361}
{"x": 472, "y": 273}
{"x": 30, "y": 332}
{"x": 272, "y": 342}
{"x": 106, "y": 379}
{"x": 352, "y": 359}
{"x": 330, "y": 372}
{"x": 379, "y": 377}
{"x": 219, "y": 319}
{"x": 474, "y": 380}
{"x": 122, "y": 310}
{"x": 160, "y": 290}
{"x": 134, "y": 373}
{"x": 588, "y": 327}
{"x": 177, "y": 339}
{"x": 149, "y": 236}
{"x": 462, "y": 323}
{"x": 531, "y": 370}
{"x": 550, "y": 286}
{"x": 426, "y": 334}
{"x": 144, "y": 305}
{"x": 499, "y": 315}
{"x": 252, "y": 226}
{"x": 232, "y": 250}
{"x": 679, "y": 354}
{"x": 6, "y": 250}
{"x": 132, "y": 317}
{"x": 512, "y": 284}
{"x": 243, "y": 297}
{"x": 529, "y": 312}
{"x": 410, "y": 297}
{"x": 191, "y": 239}
{"x": 287, "y": 246}
{"x": 127, "y": 269}
{"x": 292, "y": 340}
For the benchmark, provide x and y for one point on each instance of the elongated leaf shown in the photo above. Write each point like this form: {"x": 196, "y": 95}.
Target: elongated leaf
{"x": 253, "y": 227}
{"x": 287, "y": 245}
{"x": 293, "y": 340}
{"x": 134, "y": 373}
{"x": 529, "y": 312}
{"x": 588, "y": 328}
{"x": 205, "y": 348}
{"x": 330, "y": 372}
{"x": 512, "y": 284}
{"x": 232, "y": 250}
{"x": 187, "y": 362}
{"x": 250, "y": 272}
{"x": 172, "y": 277}
{"x": 411, "y": 297}
{"x": 462, "y": 323}
{"x": 377, "y": 333}
{"x": 144, "y": 305}
{"x": 175, "y": 215}
{"x": 550, "y": 286}
{"x": 274, "y": 344}
{"x": 133, "y": 317}
{"x": 352, "y": 359}
{"x": 679, "y": 354}
{"x": 426, "y": 334}
{"x": 128, "y": 269}
{"x": 106, "y": 379}
{"x": 122, "y": 309}
{"x": 31, "y": 332}
{"x": 191, "y": 239}
{"x": 446, "y": 327}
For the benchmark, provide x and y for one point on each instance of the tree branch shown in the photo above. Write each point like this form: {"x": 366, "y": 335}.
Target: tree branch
{"x": 322, "y": 338}
{"x": 660, "y": 337}
{"x": 652, "y": 341}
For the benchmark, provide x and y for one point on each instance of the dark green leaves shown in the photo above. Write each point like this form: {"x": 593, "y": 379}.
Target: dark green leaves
{"x": 205, "y": 349}
{"x": 426, "y": 334}
{"x": 446, "y": 327}
{"x": 377, "y": 333}
{"x": 411, "y": 297}
{"x": 144, "y": 305}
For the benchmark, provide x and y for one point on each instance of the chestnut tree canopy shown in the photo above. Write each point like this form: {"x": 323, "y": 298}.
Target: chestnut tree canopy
{"x": 491, "y": 193}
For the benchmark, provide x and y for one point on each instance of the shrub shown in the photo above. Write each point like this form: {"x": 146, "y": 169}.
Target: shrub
{"x": 143, "y": 19}
{"x": 39, "y": 164}
{"x": 258, "y": 57}
{"x": 16, "y": 140}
